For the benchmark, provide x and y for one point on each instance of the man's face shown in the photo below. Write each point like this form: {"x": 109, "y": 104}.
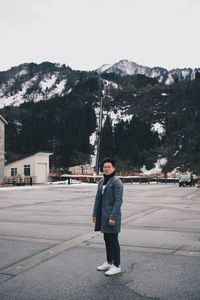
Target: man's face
{"x": 108, "y": 168}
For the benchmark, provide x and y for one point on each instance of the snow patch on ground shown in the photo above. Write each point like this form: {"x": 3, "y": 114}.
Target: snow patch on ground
{"x": 103, "y": 68}
{"x": 108, "y": 83}
{"x": 58, "y": 90}
{"x": 40, "y": 186}
{"x": 118, "y": 116}
{"x": 169, "y": 80}
{"x": 93, "y": 138}
{"x": 161, "y": 162}
{"x": 47, "y": 82}
{"x": 19, "y": 97}
{"x": 23, "y": 72}
{"x": 159, "y": 128}
{"x": 49, "y": 88}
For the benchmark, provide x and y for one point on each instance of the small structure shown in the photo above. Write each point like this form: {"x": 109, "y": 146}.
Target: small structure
{"x": 81, "y": 170}
{"x": 32, "y": 169}
{"x": 3, "y": 122}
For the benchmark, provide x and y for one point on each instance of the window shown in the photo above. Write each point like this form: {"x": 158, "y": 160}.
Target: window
{"x": 13, "y": 171}
{"x": 27, "y": 170}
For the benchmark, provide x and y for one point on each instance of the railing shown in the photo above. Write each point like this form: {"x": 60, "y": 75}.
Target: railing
{"x": 19, "y": 180}
{"x": 125, "y": 179}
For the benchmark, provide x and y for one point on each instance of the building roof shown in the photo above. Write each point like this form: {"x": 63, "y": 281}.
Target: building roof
{"x": 3, "y": 120}
{"x": 26, "y": 156}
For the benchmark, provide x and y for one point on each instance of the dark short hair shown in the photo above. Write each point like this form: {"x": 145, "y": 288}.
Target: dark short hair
{"x": 109, "y": 160}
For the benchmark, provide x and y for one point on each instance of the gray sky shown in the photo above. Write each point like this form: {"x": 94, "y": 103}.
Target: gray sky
{"x": 85, "y": 34}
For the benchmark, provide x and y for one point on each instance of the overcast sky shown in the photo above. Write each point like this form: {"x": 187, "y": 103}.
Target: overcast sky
{"x": 85, "y": 34}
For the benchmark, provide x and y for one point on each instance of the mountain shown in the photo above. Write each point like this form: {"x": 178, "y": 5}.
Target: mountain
{"x": 36, "y": 82}
{"x": 125, "y": 67}
{"x": 52, "y": 107}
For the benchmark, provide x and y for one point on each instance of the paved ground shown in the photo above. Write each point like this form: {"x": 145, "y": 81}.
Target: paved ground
{"x": 48, "y": 249}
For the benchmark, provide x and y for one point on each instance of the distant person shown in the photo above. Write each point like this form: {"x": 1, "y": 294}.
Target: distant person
{"x": 107, "y": 215}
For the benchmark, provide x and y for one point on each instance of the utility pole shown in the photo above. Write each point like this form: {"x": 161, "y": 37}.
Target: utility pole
{"x": 54, "y": 143}
{"x": 99, "y": 134}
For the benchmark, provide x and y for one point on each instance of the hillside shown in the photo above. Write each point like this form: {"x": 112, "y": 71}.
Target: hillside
{"x": 144, "y": 119}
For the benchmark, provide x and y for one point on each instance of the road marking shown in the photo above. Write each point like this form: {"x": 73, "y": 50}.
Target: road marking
{"x": 45, "y": 255}
{"x": 155, "y": 250}
{"x": 187, "y": 253}
{"x": 140, "y": 214}
{"x": 29, "y": 239}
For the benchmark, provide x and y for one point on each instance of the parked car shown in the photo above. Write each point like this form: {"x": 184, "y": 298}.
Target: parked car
{"x": 186, "y": 180}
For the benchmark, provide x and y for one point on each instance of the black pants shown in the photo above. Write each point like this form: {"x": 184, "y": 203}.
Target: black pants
{"x": 112, "y": 248}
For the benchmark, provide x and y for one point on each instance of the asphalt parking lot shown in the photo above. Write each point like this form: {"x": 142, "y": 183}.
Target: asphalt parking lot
{"x": 48, "y": 249}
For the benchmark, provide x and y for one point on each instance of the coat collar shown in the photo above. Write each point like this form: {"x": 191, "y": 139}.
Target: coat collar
{"x": 108, "y": 183}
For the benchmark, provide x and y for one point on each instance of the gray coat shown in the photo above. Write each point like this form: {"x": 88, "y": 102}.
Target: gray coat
{"x": 108, "y": 205}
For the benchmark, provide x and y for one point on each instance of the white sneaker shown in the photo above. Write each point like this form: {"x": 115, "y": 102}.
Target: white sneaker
{"x": 113, "y": 270}
{"x": 106, "y": 266}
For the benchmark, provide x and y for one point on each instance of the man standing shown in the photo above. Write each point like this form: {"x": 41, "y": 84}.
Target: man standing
{"x": 107, "y": 215}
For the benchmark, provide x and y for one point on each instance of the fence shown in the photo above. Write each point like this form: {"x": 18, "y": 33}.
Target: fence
{"x": 19, "y": 180}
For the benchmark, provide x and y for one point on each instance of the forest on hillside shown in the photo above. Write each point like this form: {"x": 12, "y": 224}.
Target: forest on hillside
{"x": 63, "y": 125}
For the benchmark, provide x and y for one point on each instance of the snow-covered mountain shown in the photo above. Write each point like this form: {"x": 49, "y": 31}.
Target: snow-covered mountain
{"x": 125, "y": 67}
{"x": 33, "y": 82}
{"x": 36, "y": 82}
{"x": 160, "y": 120}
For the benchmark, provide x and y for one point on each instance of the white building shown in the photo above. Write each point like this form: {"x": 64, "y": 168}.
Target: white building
{"x": 81, "y": 170}
{"x": 35, "y": 166}
{"x": 2, "y": 147}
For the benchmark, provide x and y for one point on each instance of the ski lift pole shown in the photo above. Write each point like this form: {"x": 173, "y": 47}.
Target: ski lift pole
{"x": 99, "y": 134}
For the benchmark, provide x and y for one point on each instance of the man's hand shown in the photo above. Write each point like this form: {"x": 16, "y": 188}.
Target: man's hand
{"x": 111, "y": 222}
{"x": 94, "y": 219}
